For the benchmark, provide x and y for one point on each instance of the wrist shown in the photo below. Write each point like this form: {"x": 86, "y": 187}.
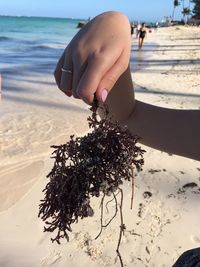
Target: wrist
{"x": 121, "y": 100}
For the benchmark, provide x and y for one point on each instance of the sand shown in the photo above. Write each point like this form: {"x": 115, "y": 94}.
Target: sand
{"x": 35, "y": 115}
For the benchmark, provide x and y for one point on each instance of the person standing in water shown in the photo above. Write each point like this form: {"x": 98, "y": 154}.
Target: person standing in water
{"x": 142, "y": 34}
{"x": 138, "y": 29}
{"x": 156, "y": 25}
{"x": 132, "y": 28}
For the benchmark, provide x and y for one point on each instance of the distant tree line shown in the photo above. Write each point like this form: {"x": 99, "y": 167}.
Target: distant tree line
{"x": 196, "y": 9}
{"x": 186, "y": 11}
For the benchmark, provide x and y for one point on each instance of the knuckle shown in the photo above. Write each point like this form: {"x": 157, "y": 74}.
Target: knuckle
{"x": 124, "y": 65}
{"x": 76, "y": 56}
{"x": 78, "y": 51}
{"x": 99, "y": 55}
{"x": 111, "y": 79}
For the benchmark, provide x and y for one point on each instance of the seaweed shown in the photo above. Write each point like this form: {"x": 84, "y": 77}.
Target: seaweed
{"x": 94, "y": 165}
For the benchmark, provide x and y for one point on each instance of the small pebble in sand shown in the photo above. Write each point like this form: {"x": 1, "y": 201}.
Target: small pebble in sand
{"x": 147, "y": 194}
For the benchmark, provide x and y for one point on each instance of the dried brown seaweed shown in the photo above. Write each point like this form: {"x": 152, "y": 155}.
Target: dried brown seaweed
{"x": 93, "y": 165}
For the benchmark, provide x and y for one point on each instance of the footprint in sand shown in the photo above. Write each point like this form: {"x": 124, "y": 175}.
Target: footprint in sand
{"x": 50, "y": 259}
{"x": 16, "y": 181}
{"x": 195, "y": 239}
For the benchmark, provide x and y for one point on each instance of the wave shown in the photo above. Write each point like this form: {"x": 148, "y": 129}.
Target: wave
{"x": 48, "y": 47}
{"x": 5, "y": 38}
{"x": 42, "y": 47}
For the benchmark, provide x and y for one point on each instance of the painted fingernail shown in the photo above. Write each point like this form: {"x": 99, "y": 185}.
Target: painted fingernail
{"x": 104, "y": 95}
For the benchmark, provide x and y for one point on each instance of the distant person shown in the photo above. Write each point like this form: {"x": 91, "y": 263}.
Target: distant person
{"x": 138, "y": 29}
{"x": 132, "y": 28}
{"x": 142, "y": 33}
{"x": 156, "y": 25}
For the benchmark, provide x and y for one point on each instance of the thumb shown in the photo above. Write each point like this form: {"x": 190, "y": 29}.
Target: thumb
{"x": 111, "y": 77}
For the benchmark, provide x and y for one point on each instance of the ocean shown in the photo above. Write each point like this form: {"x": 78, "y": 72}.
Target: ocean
{"x": 32, "y": 43}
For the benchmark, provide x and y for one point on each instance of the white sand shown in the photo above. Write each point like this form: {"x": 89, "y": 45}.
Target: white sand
{"x": 158, "y": 229}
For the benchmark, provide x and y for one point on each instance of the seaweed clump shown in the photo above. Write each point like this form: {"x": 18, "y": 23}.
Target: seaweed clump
{"x": 93, "y": 165}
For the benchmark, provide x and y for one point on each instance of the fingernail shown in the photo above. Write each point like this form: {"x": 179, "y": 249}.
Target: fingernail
{"x": 104, "y": 95}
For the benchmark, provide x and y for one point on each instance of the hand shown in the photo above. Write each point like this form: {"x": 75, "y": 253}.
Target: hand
{"x": 97, "y": 56}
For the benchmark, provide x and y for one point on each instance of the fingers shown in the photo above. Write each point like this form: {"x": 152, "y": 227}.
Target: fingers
{"x": 111, "y": 76}
{"x": 97, "y": 67}
{"x": 98, "y": 75}
{"x": 67, "y": 81}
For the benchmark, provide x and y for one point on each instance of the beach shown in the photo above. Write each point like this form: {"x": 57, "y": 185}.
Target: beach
{"x": 34, "y": 115}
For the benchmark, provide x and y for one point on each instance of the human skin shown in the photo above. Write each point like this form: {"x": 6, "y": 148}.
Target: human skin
{"x": 170, "y": 130}
{"x": 98, "y": 54}
{"x": 99, "y": 57}
{"x": 141, "y": 40}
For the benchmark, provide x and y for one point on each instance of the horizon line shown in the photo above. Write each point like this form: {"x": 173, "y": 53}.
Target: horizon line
{"x": 27, "y": 16}
{"x": 75, "y": 18}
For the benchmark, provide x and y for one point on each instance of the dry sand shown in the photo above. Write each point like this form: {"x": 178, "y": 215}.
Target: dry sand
{"x": 35, "y": 115}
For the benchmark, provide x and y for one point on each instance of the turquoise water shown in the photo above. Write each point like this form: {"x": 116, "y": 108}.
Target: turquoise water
{"x": 26, "y": 41}
{"x": 33, "y": 44}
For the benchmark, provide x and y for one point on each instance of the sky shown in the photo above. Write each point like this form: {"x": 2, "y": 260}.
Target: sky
{"x": 146, "y": 10}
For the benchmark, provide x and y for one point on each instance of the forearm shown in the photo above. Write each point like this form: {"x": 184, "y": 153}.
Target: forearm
{"x": 170, "y": 130}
